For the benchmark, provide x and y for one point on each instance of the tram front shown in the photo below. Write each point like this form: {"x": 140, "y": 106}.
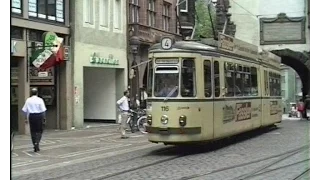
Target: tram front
{"x": 172, "y": 106}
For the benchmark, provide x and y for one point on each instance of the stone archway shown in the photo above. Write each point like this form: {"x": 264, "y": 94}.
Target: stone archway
{"x": 300, "y": 62}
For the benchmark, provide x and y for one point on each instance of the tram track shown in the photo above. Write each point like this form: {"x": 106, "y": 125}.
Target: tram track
{"x": 282, "y": 156}
{"x": 299, "y": 176}
{"x": 125, "y": 161}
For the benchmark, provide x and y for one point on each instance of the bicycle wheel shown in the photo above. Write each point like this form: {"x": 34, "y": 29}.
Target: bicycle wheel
{"x": 142, "y": 123}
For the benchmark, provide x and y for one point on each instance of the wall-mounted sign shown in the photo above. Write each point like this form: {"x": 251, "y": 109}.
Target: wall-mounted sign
{"x": 66, "y": 53}
{"x": 37, "y": 77}
{"x": 95, "y": 59}
{"x": 282, "y": 30}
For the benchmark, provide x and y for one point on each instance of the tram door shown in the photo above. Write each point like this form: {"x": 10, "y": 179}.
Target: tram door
{"x": 265, "y": 94}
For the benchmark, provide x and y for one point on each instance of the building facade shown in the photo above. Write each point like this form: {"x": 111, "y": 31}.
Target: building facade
{"x": 282, "y": 27}
{"x": 30, "y": 19}
{"x": 148, "y": 21}
{"x": 99, "y": 45}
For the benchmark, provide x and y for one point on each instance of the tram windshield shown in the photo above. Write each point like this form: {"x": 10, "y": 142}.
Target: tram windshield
{"x": 166, "y": 81}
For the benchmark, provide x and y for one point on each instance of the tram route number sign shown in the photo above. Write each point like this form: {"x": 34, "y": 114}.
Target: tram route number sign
{"x": 166, "y": 43}
{"x": 243, "y": 111}
{"x": 165, "y": 108}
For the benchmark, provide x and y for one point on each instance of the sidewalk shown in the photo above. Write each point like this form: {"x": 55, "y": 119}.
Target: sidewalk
{"x": 59, "y": 148}
{"x": 286, "y": 117}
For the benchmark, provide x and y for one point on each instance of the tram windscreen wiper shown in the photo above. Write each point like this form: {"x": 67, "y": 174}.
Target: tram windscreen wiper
{"x": 170, "y": 93}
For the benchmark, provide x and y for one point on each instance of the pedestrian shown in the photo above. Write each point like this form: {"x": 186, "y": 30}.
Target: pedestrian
{"x": 123, "y": 106}
{"x": 301, "y": 108}
{"x": 35, "y": 111}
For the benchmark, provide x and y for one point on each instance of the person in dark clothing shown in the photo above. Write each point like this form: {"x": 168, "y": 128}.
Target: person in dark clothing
{"x": 34, "y": 109}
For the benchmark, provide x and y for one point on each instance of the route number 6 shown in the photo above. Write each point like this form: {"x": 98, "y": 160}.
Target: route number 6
{"x": 166, "y": 43}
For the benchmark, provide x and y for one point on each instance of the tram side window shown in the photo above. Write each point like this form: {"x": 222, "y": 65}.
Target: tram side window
{"x": 188, "y": 78}
{"x": 207, "y": 78}
{"x": 246, "y": 77}
{"x": 254, "y": 82}
{"x": 229, "y": 79}
{"x": 239, "y": 88}
{"x": 278, "y": 85}
{"x": 266, "y": 83}
{"x": 275, "y": 84}
{"x": 216, "y": 79}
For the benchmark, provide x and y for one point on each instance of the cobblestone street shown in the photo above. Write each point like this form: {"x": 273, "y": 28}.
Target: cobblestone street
{"x": 99, "y": 153}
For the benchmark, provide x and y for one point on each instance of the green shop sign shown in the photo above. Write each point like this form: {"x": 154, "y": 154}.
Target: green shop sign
{"x": 95, "y": 59}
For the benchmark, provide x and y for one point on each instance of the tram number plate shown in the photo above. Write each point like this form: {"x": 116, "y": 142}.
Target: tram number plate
{"x": 165, "y": 108}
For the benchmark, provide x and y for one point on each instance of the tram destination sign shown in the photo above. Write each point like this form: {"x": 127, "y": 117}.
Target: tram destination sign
{"x": 230, "y": 44}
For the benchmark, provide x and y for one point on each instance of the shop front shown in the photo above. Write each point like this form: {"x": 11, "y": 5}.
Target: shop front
{"x": 100, "y": 77}
{"x": 25, "y": 75}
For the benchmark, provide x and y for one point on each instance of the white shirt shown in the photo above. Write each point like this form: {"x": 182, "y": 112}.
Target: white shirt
{"x": 34, "y": 104}
{"x": 123, "y": 103}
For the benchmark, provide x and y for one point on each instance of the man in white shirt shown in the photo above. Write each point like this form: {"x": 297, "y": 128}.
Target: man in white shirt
{"x": 34, "y": 110}
{"x": 123, "y": 106}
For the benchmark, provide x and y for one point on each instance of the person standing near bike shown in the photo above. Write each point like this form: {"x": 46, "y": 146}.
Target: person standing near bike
{"x": 123, "y": 106}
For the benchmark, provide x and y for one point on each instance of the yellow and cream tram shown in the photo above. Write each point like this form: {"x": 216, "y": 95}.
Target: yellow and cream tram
{"x": 203, "y": 91}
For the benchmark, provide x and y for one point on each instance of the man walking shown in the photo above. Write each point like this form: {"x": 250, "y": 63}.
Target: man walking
{"x": 34, "y": 110}
{"x": 123, "y": 106}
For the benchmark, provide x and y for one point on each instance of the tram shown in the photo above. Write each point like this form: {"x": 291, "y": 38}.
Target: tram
{"x": 208, "y": 90}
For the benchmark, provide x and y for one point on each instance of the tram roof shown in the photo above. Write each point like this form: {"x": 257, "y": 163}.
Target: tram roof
{"x": 226, "y": 45}
{"x": 185, "y": 45}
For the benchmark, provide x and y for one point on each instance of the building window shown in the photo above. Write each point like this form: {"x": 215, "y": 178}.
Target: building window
{"x": 16, "y": 7}
{"x": 88, "y": 11}
{"x": 52, "y": 10}
{"x": 117, "y": 15}
{"x": 183, "y": 5}
{"x": 104, "y": 13}
{"x": 134, "y": 11}
{"x": 35, "y": 35}
{"x": 207, "y": 78}
{"x": 16, "y": 32}
{"x": 166, "y": 17}
{"x": 151, "y": 13}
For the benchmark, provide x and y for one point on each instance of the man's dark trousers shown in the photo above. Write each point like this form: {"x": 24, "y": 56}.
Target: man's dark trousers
{"x": 36, "y": 127}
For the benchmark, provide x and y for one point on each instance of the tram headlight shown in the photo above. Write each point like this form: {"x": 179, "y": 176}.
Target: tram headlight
{"x": 182, "y": 120}
{"x": 164, "y": 119}
{"x": 149, "y": 120}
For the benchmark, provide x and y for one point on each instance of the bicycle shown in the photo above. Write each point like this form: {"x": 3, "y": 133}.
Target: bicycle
{"x": 140, "y": 113}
